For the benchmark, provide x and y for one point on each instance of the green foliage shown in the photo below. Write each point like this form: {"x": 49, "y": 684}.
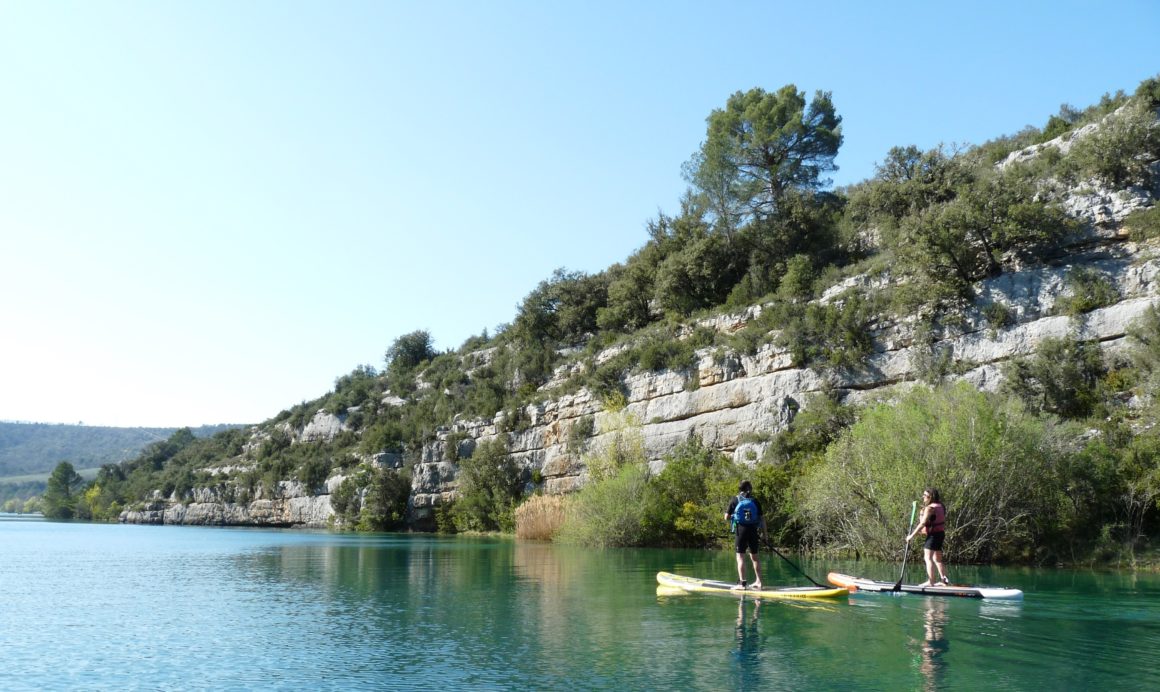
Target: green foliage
{"x": 313, "y": 472}
{"x": 60, "y": 493}
{"x": 579, "y": 433}
{"x": 700, "y": 274}
{"x": 685, "y": 502}
{"x": 907, "y": 182}
{"x": 992, "y": 222}
{"x": 356, "y": 389}
{"x": 992, "y": 460}
{"x": 489, "y": 487}
{"x": 798, "y": 281}
{"x": 560, "y": 311}
{"x": 373, "y": 499}
{"x": 998, "y": 315}
{"x": 1061, "y": 378}
{"x": 833, "y": 335}
{"x": 1060, "y": 124}
{"x": 1087, "y": 289}
{"x": 665, "y": 351}
{"x": 1122, "y": 150}
{"x": 631, "y": 287}
{"x": 608, "y": 513}
{"x": 409, "y": 350}
{"x": 1148, "y": 92}
{"x": 813, "y": 428}
{"x": 1144, "y": 335}
{"x": 345, "y": 500}
{"x": 405, "y": 354}
{"x": 762, "y": 146}
{"x": 1143, "y": 224}
{"x": 384, "y": 506}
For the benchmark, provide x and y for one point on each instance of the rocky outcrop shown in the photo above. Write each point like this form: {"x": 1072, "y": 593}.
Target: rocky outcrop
{"x": 292, "y": 505}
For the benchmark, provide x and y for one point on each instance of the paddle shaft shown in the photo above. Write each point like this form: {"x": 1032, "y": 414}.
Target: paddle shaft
{"x": 906, "y": 549}
{"x": 769, "y": 544}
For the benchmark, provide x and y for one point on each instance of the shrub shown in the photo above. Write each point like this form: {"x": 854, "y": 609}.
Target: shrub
{"x": 579, "y": 433}
{"x": 998, "y": 315}
{"x": 797, "y": 282}
{"x": 1061, "y": 378}
{"x": 608, "y": 513}
{"x": 992, "y": 461}
{"x": 623, "y": 446}
{"x": 1148, "y": 92}
{"x": 835, "y": 335}
{"x": 686, "y": 500}
{"x": 1143, "y": 224}
{"x": 540, "y": 517}
{"x": 345, "y": 501}
{"x": 1122, "y": 150}
{"x": 1087, "y": 289}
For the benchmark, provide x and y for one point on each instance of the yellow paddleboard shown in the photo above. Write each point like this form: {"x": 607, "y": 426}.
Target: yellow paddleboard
{"x": 691, "y": 584}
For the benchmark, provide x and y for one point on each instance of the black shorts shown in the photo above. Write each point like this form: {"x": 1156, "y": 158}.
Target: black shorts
{"x": 934, "y": 540}
{"x": 747, "y": 539}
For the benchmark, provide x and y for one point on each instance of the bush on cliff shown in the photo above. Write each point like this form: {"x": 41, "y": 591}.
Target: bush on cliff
{"x": 489, "y": 487}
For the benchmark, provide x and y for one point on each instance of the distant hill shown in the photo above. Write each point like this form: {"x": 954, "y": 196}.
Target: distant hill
{"x": 32, "y": 448}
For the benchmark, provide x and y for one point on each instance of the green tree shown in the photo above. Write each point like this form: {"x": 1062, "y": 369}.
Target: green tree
{"x": 60, "y": 493}
{"x": 410, "y": 350}
{"x": 763, "y": 145}
{"x": 994, "y": 221}
{"x": 489, "y": 486}
{"x": 385, "y": 505}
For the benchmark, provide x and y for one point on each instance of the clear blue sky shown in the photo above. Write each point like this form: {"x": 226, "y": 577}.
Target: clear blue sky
{"x": 211, "y": 210}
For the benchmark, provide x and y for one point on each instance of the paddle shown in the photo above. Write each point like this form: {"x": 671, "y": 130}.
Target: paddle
{"x": 906, "y": 550}
{"x": 769, "y": 545}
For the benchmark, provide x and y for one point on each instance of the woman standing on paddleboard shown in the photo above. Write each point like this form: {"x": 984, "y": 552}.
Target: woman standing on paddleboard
{"x": 933, "y": 525}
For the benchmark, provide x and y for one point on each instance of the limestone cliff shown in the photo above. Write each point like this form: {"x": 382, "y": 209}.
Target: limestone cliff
{"x": 734, "y": 398}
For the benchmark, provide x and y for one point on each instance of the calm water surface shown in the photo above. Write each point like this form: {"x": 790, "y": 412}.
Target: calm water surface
{"x": 90, "y": 606}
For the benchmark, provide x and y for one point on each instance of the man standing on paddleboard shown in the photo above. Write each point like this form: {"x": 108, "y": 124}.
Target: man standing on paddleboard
{"x": 745, "y": 514}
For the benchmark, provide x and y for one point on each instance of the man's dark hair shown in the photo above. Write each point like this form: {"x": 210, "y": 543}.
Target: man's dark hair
{"x": 745, "y": 487}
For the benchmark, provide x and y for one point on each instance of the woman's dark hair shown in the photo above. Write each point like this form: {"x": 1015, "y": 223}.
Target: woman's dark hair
{"x": 934, "y": 497}
{"x": 745, "y": 487}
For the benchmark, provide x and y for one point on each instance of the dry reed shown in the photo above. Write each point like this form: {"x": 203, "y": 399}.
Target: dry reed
{"x": 540, "y": 517}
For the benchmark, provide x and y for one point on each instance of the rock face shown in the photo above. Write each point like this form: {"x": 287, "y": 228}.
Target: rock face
{"x": 733, "y": 399}
{"x": 293, "y": 506}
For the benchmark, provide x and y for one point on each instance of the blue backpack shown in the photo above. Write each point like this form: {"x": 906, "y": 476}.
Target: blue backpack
{"x": 746, "y": 514}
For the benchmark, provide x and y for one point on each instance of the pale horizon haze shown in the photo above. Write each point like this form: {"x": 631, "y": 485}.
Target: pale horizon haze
{"x": 211, "y": 210}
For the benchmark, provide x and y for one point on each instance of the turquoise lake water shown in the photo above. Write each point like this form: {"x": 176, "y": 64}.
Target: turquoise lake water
{"x": 90, "y": 607}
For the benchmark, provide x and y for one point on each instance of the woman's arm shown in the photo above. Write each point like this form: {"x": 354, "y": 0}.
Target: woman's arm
{"x": 921, "y": 523}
